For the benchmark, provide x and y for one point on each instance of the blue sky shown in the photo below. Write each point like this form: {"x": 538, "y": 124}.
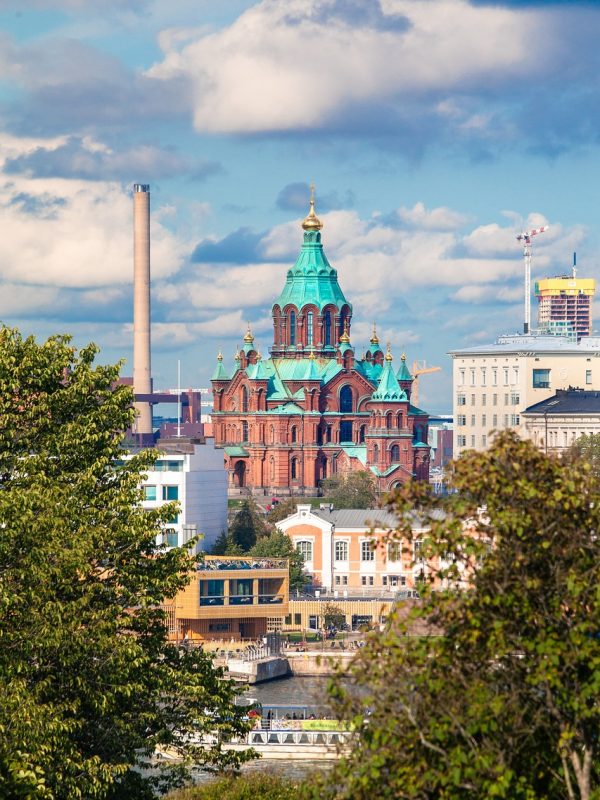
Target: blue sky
{"x": 434, "y": 130}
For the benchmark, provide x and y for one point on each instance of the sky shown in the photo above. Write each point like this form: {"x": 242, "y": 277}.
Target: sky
{"x": 435, "y": 131}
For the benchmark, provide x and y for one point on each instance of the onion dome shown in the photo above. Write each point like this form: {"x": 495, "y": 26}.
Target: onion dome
{"x": 248, "y": 338}
{"x": 311, "y": 221}
{"x": 220, "y": 374}
{"x": 388, "y": 355}
{"x": 374, "y": 338}
{"x": 345, "y": 337}
{"x": 403, "y": 373}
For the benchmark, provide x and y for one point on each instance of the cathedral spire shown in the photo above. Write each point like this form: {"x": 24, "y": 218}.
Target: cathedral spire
{"x": 311, "y": 221}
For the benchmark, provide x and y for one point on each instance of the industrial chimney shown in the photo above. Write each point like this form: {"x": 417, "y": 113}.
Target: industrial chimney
{"x": 142, "y": 376}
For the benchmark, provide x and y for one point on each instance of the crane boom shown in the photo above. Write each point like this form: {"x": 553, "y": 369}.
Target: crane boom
{"x": 526, "y": 237}
{"x": 419, "y": 368}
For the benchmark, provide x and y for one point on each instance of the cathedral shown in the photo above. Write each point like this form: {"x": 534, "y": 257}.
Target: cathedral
{"x": 313, "y": 409}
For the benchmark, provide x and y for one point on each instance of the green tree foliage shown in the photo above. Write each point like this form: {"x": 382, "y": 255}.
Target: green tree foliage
{"x": 281, "y": 510}
{"x": 225, "y": 545}
{"x": 248, "y": 525}
{"x": 258, "y": 786}
{"x": 354, "y": 490}
{"x": 90, "y": 685}
{"x": 586, "y": 448}
{"x": 333, "y": 615}
{"x": 278, "y": 545}
{"x": 504, "y": 703}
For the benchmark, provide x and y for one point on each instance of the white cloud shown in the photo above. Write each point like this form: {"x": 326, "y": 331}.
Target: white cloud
{"x": 438, "y": 219}
{"x": 279, "y": 67}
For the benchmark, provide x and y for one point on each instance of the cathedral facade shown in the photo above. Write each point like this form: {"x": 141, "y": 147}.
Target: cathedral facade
{"x": 313, "y": 409}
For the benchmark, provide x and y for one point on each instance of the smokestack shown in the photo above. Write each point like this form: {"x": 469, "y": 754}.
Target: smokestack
{"x": 142, "y": 376}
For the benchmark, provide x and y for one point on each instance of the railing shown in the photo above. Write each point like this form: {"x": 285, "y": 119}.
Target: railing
{"x": 309, "y": 738}
{"x": 216, "y": 563}
{"x": 270, "y": 598}
{"x": 241, "y": 599}
{"x": 213, "y": 600}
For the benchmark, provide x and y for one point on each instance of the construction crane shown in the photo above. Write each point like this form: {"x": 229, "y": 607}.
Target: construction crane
{"x": 526, "y": 237}
{"x": 419, "y": 368}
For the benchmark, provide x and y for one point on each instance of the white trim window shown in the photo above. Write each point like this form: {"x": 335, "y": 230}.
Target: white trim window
{"x": 305, "y": 548}
{"x": 341, "y": 550}
{"x": 367, "y": 551}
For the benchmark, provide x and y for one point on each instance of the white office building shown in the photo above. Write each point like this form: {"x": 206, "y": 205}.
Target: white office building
{"x": 493, "y": 384}
{"x": 192, "y": 472}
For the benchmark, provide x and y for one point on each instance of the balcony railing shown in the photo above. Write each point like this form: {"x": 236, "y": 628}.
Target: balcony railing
{"x": 241, "y": 599}
{"x": 212, "y": 600}
{"x": 219, "y": 563}
{"x": 270, "y": 598}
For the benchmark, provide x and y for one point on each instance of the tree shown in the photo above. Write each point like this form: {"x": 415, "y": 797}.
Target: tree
{"x": 243, "y": 787}
{"x": 90, "y": 685}
{"x": 282, "y": 510}
{"x": 247, "y": 526}
{"x": 333, "y": 615}
{"x": 225, "y": 545}
{"x": 278, "y": 545}
{"x": 586, "y": 448}
{"x": 354, "y": 490}
{"x": 504, "y": 703}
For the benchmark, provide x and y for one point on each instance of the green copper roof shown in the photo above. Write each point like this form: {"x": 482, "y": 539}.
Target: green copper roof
{"x": 220, "y": 373}
{"x": 414, "y": 411}
{"x": 312, "y": 279}
{"x": 389, "y": 389}
{"x": 287, "y": 408}
{"x": 236, "y": 451}
{"x": 257, "y": 372}
{"x": 358, "y": 451}
{"x": 403, "y": 374}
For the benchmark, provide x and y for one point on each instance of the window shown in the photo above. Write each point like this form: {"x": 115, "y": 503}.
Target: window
{"x": 472, "y": 399}
{"x": 506, "y": 420}
{"x": 495, "y": 400}
{"x": 588, "y": 377}
{"x": 462, "y": 377}
{"x": 367, "y": 580}
{"x": 483, "y": 399}
{"x": 418, "y": 547}
{"x": 515, "y": 374}
{"x": 170, "y": 537}
{"x": 461, "y": 441}
{"x": 483, "y": 420}
{"x": 394, "y": 551}
{"x": 244, "y": 398}
{"x": 361, "y": 435}
{"x": 346, "y": 400}
{"x": 341, "y": 580}
{"x": 327, "y": 328}
{"x": 514, "y": 399}
{"x": 541, "y": 378}
{"x": 244, "y": 431}
{"x": 294, "y": 469}
{"x": 149, "y": 492}
{"x": 297, "y": 619}
{"x": 461, "y": 419}
{"x": 292, "y": 327}
{"x": 495, "y": 421}
{"x": 483, "y": 376}
{"x": 367, "y": 553}
{"x": 294, "y": 434}
{"x": 473, "y": 376}
{"x": 494, "y": 376}
{"x": 484, "y": 440}
{"x": 473, "y": 419}
{"x": 472, "y": 441}
{"x": 170, "y": 492}
{"x": 505, "y": 370}
{"x": 515, "y": 419}
{"x": 341, "y": 551}
{"x": 506, "y": 399}
{"x": 395, "y": 454}
{"x": 346, "y": 431}
{"x": 309, "y": 328}
{"x": 461, "y": 400}
{"x": 305, "y": 549}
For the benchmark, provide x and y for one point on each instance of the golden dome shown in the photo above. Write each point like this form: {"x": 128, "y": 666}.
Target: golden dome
{"x": 388, "y": 355}
{"x": 403, "y": 357}
{"x": 374, "y": 337}
{"x": 345, "y": 337}
{"x": 248, "y": 338}
{"x": 237, "y": 356}
{"x": 311, "y": 221}
{"x": 220, "y": 356}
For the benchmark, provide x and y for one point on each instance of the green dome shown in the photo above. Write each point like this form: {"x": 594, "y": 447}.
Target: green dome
{"x": 312, "y": 280}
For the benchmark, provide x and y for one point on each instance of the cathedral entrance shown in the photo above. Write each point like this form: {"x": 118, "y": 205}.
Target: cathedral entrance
{"x": 239, "y": 474}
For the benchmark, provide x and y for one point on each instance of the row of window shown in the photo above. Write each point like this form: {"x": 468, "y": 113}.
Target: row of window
{"x": 540, "y": 380}
{"x": 510, "y": 399}
{"x": 367, "y": 550}
{"x": 492, "y": 374}
{"x": 167, "y": 492}
{"x": 328, "y": 327}
{"x": 508, "y": 419}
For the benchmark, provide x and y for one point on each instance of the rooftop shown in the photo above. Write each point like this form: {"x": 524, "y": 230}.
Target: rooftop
{"x": 529, "y": 344}
{"x": 568, "y": 401}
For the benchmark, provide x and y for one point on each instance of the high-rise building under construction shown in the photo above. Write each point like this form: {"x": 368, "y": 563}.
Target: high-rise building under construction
{"x": 565, "y": 304}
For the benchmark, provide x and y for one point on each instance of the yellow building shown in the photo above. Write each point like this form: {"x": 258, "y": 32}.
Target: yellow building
{"x": 231, "y": 597}
{"x": 565, "y": 304}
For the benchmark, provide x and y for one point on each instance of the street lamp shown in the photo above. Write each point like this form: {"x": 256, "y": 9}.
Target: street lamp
{"x": 332, "y": 555}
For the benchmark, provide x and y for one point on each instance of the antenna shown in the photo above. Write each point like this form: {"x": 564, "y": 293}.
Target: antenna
{"x": 178, "y": 398}
{"x": 526, "y": 237}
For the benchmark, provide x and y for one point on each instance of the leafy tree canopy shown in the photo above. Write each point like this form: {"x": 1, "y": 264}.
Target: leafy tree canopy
{"x": 90, "y": 685}
{"x": 504, "y": 703}
{"x": 282, "y": 509}
{"x": 243, "y": 787}
{"x": 333, "y": 615}
{"x": 248, "y": 525}
{"x": 278, "y": 545}
{"x": 354, "y": 490}
{"x": 586, "y": 448}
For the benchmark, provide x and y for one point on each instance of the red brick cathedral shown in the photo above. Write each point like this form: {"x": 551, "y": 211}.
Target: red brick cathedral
{"x": 314, "y": 409}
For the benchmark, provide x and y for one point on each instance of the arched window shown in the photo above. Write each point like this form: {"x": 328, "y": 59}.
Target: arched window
{"x": 244, "y": 431}
{"x": 309, "y": 328}
{"x": 327, "y": 322}
{"x": 395, "y": 454}
{"x": 376, "y": 453}
{"x": 272, "y": 434}
{"x": 292, "y": 327}
{"x": 294, "y": 433}
{"x": 244, "y": 398}
{"x": 294, "y": 469}
{"x": 346, "y": 400}
{"x": 272, "y": 468}
{"x": 361, "y": 434}
{"x": 399, "y": 420}
{"x": 388, "y": 420}
{"x": 346, "y": 431}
